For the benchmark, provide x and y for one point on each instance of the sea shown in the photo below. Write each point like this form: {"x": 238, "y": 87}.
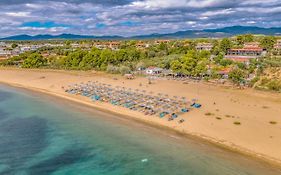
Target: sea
{"x": 44, "y": 135}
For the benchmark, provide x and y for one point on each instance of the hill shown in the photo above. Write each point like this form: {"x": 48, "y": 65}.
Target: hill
{"x": 206, "y": 33}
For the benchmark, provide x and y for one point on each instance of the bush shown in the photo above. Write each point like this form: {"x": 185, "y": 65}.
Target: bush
{"x": 237, "y": 76}
{"x": 274, "y": 85}
{"x": 34, "y": 60}
{"x": 254, "y": 81}
{"x": 273, "y": 122}
{"x": 236, "y": 123}
{"x": 112, "y": 69}
{"x": 124, "y": 70}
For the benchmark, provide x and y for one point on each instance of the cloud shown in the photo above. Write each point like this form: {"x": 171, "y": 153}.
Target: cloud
{"x": 132, "y": 17}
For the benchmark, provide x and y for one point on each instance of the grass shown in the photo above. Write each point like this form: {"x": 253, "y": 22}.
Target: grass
{"x": 229, "y": 116}
{"x": 209, "y": 114}
{"x": 273, "y": 122}
{"x": 265, "y": 107}
{"x": 237, "y": 123}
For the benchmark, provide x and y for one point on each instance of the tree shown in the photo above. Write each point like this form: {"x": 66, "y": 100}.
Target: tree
{"x": 225, "y": 45}
{"x": 268, "y": 42}
{"x": 242, "y": 39}
{"x": 237, "y": 76}
{"x": 34, "y": 60}
{"x": 192, "y": 64}
{"x": 73, "y": 59}
{"x": 14, "y": 45}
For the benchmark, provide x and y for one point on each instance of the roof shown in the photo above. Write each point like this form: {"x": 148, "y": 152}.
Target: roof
{"x": 224, "y": 71}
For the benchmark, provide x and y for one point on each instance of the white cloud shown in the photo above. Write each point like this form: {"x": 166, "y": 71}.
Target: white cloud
{"x": 150, "y": 16}
{"x": 18, "y": 14}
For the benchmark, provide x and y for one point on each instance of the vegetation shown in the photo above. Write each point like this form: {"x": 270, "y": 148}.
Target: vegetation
{"x": 237, "y": 123}
{"x": 237, "y": 76}
{"x": 34, "y": 60}
{"x": 179, "y": 56}
{"x": 273, "y": 122}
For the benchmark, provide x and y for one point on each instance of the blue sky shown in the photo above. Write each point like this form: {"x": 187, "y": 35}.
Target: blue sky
{"x": 132, "y": 17}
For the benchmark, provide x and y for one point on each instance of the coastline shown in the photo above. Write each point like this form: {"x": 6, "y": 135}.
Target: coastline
{"x": 139, "y": 118}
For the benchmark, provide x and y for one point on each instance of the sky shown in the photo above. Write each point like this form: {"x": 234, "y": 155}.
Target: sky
{"x": 132, "y": 17}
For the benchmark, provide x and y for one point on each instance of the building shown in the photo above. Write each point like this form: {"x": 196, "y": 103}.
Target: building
{"x": 162, "y": 41}
{"x": 113, "y": 45}
{"x": 204, "y": 46}
{"x": 249, "y": 51}
{"x": 153, "y": 70}
{"x": 252, "y": 45}
{"x": 252, "y": 52}
{"x": 252, "y": 49}
{"x": 142, "y": 45}
{"x": 4, "y": 53}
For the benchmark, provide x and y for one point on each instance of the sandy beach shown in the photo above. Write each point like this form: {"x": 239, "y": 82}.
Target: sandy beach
{"x": 222, "y": 107}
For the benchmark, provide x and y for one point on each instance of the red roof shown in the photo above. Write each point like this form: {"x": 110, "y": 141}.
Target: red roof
{"x": 225, "y": 71}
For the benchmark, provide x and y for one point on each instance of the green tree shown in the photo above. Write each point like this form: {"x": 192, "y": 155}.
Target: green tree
{"x": 225, "y": 45}
{"x": 14, "y": 45}
{"x": 34, "y": 60}
{"x": 242, "y": 39}
{"x": 192, "y": 64}
{"x": 268, "y": 42}
{"x": 237, "y": 76}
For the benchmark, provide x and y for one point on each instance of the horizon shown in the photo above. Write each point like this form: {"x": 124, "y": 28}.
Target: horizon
{"x": 160, "y": 35}
{"x": 132, "y": 17}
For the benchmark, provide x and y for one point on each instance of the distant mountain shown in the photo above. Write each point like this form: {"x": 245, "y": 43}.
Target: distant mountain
{"x": 56, "y": 37}
{"x": 206, "y": 33}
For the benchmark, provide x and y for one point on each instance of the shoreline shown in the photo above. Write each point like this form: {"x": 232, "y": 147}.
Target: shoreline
{"x": 204, "y": 136}
{"x": 201, "y": 138}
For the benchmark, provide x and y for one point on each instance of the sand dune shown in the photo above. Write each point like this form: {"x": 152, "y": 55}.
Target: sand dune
{"x": 222, "y": 107}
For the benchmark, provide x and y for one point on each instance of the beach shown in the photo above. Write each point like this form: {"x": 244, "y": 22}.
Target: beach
{"x": 221, "y": 107}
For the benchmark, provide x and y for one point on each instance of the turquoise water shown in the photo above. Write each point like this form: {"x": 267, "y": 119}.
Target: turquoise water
{"x": 40, "y": 136}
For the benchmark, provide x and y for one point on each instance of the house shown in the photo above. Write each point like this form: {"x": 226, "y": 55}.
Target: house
{"x": 3, "y": 44}
{"x": 114, "y": 45}
{"x": 250, "y": 50}
{"x": 75, "y": 45}
{"x": 153, "y": 70}
{"x": 204, "y": 46}
{"x": 5, "y": 53}
{"x": 252, "y": 45}
{"x": 162, "y": 41}
{"x": 142, "y": 45}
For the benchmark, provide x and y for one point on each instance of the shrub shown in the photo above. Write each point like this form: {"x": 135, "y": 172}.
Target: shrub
{"x": 209, "y": 114}
{"x": 236, "y": 123}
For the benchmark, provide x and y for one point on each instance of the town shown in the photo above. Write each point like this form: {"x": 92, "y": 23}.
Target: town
{"x": 245, "y": 60}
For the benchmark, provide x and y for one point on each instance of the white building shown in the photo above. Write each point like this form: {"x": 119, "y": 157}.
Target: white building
{"x": 153, "y": 70}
